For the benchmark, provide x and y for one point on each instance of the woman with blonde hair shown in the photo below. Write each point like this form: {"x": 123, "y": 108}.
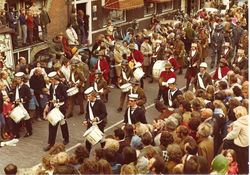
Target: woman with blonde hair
{"x": 128, "y": 169}
{"x": 237, "y": 138}
{"x": 103, "y": 167}
{"x": 189, "y": 96}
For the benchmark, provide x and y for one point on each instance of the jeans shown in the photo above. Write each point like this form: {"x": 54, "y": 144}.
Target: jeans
{"x": 24, "y": 33}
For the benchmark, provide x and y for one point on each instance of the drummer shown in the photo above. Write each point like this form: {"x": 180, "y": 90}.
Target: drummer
{"x": 134, "y": 113}
{"x": 77, "y": 80}
{"x": 58, "y": 96}
{"x": 22, "y": 96}
{"x": 124, "y": 79}
{"x": 95, "y": 112}
{"x": 136, "y": 89}
{"x": 164, "y": 77}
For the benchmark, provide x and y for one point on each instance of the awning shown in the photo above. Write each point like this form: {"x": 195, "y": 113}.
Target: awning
{"x": 159, "y": 1}
{"x": 123, "y": 4}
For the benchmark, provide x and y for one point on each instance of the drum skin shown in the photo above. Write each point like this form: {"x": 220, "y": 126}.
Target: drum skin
{"x": 158, "y": 67}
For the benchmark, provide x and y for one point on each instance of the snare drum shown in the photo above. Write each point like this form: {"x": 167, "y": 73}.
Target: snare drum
{"x": 72, "y": 91}
{"x": 17, "y": 114}
{"x": 158, "y": 67}
{"x": 55, "y": 116}
{"x": 93, "y": 135}
{"x": 138, "y": 73}
{"x": 125, "y": 87}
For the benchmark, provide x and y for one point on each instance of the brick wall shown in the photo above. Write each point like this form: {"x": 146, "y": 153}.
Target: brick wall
{"x": 58, "y": 13}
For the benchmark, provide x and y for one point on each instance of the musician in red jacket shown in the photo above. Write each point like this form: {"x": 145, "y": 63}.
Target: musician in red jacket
{"x": 171, "y": 58}
{"x": 102, "y": 64}
{"x": 221, "y": 70}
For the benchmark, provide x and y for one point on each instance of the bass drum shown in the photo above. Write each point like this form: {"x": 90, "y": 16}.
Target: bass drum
{"x": 55, "y": 116}
{"x": 158, "y": 67}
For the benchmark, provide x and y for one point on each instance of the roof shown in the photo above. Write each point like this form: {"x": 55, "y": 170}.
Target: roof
{"x": 123, "y": 4}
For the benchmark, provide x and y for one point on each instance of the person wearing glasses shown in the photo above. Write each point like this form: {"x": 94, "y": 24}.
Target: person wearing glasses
{"x": 134, "y": 113}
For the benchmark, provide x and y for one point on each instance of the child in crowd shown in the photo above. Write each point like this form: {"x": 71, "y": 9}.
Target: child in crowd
{"x": 7, "y": 108}
{"x": 230, "y": 154}
{"x": 33, "y": 104}
{"x": 44, "y": 98}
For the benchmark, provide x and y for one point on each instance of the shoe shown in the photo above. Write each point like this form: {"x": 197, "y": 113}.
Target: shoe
{"x": 16, "y": 136}
{"x": 119, "y": 110}
{"x": 65, "y": 142}
{"x": 80, "y": 113}
{"x": 47, "y": 148}
{"x": 69, "y": 115}
{"x": 27, "y": 134}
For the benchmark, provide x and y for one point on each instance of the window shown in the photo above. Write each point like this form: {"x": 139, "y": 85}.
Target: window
{"x": 167, "y": 6}
{"x": 149, "y": 8}
{"x": 117, "y": 16}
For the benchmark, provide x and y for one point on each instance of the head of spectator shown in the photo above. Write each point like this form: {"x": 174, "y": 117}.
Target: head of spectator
{"x": 206, "y": 113}
{"x": 244, "y": 89}
{"x": 204, "y": 130}
{"x": 111, "y": 144}
{"x": 189, "y": 96}
{"x": 46, "y": 162}
{"x": 218, "y": 104}
{"x": 81, "y": 153}
{"x": 147, "y": 139}
{"x": 156, "y": 165}
{"x": 240, "y": 111}
{"x": 230, "y": 154}
{"x": 220, "y": 95}
{"x": 141, "y": 128}
{"x": 57, "y": 148}
{"x": 196, "y": 105}
{"x": 191, "y": 165}
{"x": 166, "y": 138}
{"x": 66, "y": 169}
{"x": 136, "y": 142}
{"x": 103, "y": 167}
{"x": 129, "y": 130}
{"x": 128, "y": 169}
{"x": 88, "y": 167}
{"x": 174, "y": 153}
{"x": 182, "y": 132}
{"x": 178, "y": 169}
{"x": 10, "y": 169}
{"x": 119, "y": 134}
{"x": 129, "y": 155}
{"x": 99, "y": 153}
{"x": 190, "y": 147}
{"x": 185, "y": 106}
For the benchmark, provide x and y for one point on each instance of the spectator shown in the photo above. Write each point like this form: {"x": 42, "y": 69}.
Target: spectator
{"x": 230, "y": 154}
{"x": 10, "y": 169}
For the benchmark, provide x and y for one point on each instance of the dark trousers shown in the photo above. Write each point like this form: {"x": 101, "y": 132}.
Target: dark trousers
{"x": 16, "y": 127}
{"x": 53, "y": 131}
{"x": 123, "y": 98}
{"x": 89, "y": 145}
{"x": 216, "y": 55}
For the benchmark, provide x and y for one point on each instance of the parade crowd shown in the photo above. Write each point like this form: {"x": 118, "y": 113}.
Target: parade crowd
{"x": 202, "y": 129}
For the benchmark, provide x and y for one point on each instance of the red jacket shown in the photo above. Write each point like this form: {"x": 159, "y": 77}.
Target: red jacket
{"x": 165, "y": 76}
{"x": 224, "y": 71}
{"x": 137, "y": 55}
{"x": 30, "y": 23}
{"x": 104, "y": 66}
{"x": 233, "y": 168}
{"x": 174, "y": 63}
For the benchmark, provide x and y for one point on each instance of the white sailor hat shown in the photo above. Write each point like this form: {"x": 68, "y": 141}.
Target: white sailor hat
{"x": 19, "y": 74}
{"x": 52, "y": 74}
{"x": 171, "y": 81}
{"x": 89, "y": 90}
{"x": 227, "y": 44}
{"x": 203, "y": 64}
{"x": 133, "y": 96}
{"x": 241, "y": 51}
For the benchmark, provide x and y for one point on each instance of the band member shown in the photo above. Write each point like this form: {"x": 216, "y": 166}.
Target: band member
{"x": 217, "y": 41}
{"x": 95, "y": 112}
{"x": 102, "y": 64}
{"x": 58, "y": 96}
{"x": 135, "y": 58}
{"x": 172, "y": 94}
{"x": 147, "y": 51}
{"x": 134, "y": 113}
{"x": 158, "y": 51}
{"x": 164, "y": 77}
{"x": 179, "y": 50}
{"x": 118, "y": 60}
{"x": 124, "y": 79}
{"x": 136, "y": 89}
{"x": 22, "y": 97}
{"x": 203, "y": 78}
{"x": 77, "y": 79}
{"x": 172, "y": 60}
{"x": 193, "y": 61}
{"x": 240, "y": 60}
{"x": 100, "y": 86}
{"x": 221, "y": 70}
{"x": 227, "y": 52}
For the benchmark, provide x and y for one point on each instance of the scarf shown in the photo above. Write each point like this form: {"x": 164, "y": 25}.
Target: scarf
{"x": 96, "y": 88}
{"x": 124, "y": 76}
{"x": 98, "y": 65}
{"x": 219, "y": 73}
{"x": 129, "y": 116}
{"x": 201, "y": 81}
{"x": 91, "y": 115}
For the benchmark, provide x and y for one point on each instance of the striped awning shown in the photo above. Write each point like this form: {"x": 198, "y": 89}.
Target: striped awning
{"x": 123, "y": 4}
{"x": 159, "y": 1}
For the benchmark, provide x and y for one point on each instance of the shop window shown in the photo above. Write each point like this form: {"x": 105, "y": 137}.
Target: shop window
{"x": 149, "y": 8}
{"x": 117, "y": 16}
{"x": 167, "y": 6}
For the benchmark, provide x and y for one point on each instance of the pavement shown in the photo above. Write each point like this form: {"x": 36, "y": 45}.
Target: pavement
{"x": 29, "y": 151}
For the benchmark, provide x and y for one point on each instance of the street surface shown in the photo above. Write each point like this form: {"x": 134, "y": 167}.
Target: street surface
{"x": 29, "y": 151}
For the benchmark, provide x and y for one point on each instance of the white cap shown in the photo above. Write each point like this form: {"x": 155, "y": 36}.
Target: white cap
{"x": 52, "y": 74}
{"x": 171, "y": 81}
{"x": 89, "y": 90}
{"x": 227, "y": 44}
{"x": 203, "y": 64}
{"x": 19, "y": 74}
{"x": 133, "y": 96}
{"x": 193, "y": 45}
{"x": 158, "y": 41}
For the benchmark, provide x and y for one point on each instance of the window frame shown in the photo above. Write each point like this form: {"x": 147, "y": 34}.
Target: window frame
{"x": 149, "y": 14}
{"x": 165, "y": 10}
